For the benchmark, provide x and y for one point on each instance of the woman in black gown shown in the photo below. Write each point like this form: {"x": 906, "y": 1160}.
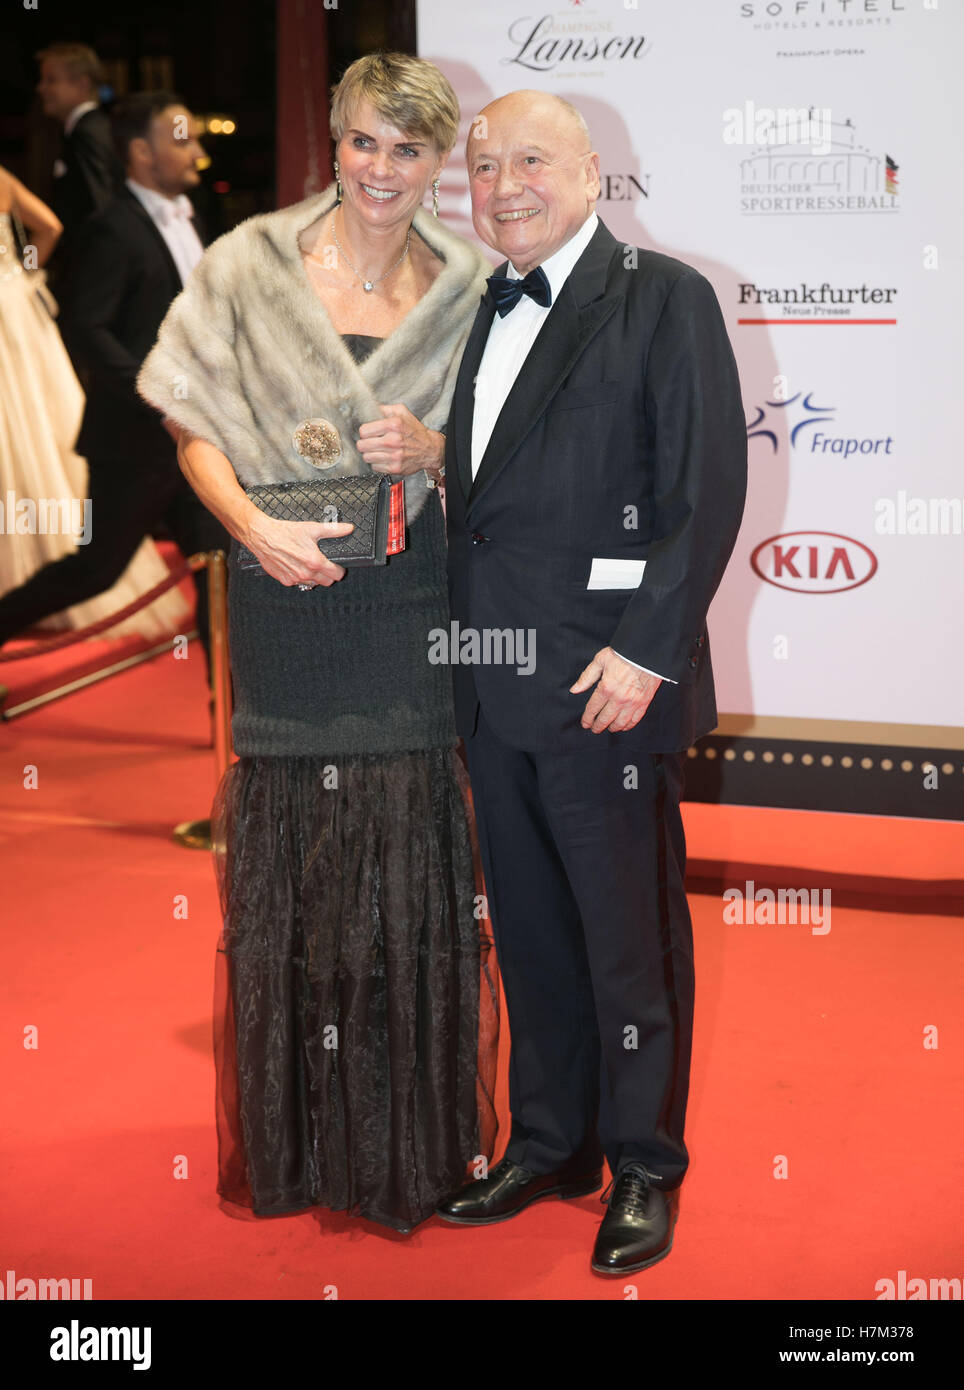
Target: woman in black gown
{"x": 357, "y": 1006}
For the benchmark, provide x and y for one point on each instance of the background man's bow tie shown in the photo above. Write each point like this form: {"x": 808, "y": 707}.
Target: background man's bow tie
{"x": 507, "y": 293}
{"x": 176, "y": 208}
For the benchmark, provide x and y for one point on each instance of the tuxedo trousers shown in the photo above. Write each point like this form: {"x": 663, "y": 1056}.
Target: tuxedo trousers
{"x": 584, "y": 860}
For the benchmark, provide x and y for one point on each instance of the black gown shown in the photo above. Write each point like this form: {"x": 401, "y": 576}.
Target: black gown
{"x": 356, "y": 1009}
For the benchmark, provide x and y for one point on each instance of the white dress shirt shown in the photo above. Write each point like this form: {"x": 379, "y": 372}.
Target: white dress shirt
{"x": 507, "y": 347}
{"x": 172, "y": 217}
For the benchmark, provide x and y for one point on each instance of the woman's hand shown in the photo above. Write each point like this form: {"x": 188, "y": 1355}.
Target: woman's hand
{"x": 399, "y": 444}
{"x": 287, "y": 550}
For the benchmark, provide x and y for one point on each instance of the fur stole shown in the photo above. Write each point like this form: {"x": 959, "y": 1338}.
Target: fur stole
{"x": 247, "y": 351}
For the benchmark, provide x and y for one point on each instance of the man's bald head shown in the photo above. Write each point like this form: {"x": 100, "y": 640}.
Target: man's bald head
{"x": 533, "y": 174}
{"x": 530, "y": 102}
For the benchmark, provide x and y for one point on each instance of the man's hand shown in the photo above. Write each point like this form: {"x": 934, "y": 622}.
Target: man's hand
{"x": 622, "y": 696}
{"x": 400, "y": 444}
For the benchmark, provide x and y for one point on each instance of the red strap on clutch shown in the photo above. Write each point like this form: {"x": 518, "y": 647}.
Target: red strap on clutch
{"x": 396, "y": 519}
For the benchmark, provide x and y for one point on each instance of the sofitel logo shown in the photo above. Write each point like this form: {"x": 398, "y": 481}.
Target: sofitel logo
{"x": 833, "y": 13}
{"x": 814, "y": 562}
{"x": 545, "y": 44}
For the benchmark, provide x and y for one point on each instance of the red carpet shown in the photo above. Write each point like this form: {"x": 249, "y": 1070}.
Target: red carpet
{"x": 807, "y": 1046}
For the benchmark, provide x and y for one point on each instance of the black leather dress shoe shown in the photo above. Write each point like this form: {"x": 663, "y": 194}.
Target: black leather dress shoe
{"x": 637, "y": 1230}
{"x": 508, "y": 1189}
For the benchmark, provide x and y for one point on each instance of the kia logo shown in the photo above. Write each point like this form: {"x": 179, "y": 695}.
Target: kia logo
{"x": 814, "y": 562}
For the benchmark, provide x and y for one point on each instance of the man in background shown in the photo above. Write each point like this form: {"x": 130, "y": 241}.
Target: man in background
{"x": 130, "y": 260}
{"x": 87, "y": 172}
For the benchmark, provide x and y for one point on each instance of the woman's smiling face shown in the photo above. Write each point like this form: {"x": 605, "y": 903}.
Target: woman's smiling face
{"x": 384, "y": 171}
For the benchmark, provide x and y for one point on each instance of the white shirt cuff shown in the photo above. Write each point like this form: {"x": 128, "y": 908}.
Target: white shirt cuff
{"x": 646, "y": 669}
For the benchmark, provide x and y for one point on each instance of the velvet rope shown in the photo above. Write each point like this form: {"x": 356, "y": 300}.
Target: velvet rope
{"x": 67, "y": 639}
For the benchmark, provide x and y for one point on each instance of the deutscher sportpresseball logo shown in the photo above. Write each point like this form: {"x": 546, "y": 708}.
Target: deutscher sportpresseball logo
{"x": 808, "y": 162}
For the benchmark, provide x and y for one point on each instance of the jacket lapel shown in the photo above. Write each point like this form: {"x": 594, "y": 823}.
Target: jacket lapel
{"x": 149, "y": 222}
{"x": 578, "y": 313}
{"x": 464, "y": 402}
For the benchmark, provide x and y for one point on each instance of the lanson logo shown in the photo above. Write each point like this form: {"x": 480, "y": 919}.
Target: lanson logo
{"x": 814, "y": 562}
{"x": 544, "y": 44}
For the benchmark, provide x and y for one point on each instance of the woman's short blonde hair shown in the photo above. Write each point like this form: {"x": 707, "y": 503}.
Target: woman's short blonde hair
{"x": 409, "y": 93}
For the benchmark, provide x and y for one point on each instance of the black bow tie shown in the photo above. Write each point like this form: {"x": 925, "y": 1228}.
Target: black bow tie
{"x": 507, "y": 293}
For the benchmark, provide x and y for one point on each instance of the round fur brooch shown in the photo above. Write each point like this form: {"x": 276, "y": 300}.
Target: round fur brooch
{"x": 319, "y": 442}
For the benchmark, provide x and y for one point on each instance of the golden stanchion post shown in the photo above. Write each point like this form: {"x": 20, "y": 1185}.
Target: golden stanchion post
{"x": 197, "y": 834}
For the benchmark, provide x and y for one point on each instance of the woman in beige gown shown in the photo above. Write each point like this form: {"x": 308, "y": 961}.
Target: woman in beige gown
{"x": 41, "y": 405}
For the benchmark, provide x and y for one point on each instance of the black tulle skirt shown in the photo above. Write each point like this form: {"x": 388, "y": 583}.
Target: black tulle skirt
{"x": 356, "y": 1011}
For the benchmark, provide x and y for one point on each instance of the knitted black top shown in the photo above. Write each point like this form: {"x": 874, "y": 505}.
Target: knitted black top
{"x": 345, "y": 669}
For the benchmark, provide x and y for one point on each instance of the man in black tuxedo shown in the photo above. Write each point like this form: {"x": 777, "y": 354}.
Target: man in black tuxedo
{"x": 596, "y": 474}
{"x": 87, "y": 172}
{"x": 131, "y": 260}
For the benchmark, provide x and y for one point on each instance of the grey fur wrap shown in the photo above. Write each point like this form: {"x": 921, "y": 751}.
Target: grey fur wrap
{"x": 247, "y": 351}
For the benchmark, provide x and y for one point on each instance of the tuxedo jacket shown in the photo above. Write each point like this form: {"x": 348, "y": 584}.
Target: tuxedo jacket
{"x": 622, "y": 438}
{"x": 92, "y": 174}
{"x": 121, "y": 283}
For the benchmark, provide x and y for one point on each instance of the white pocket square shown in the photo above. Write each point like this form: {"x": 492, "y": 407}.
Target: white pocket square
{"x": 616, "y": 574}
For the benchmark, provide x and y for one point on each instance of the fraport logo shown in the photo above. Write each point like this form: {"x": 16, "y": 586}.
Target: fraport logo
{"x": 800, "y": 420}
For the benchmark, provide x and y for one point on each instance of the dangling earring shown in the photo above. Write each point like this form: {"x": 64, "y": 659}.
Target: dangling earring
{"x": 435, "y": 197}
{"x": 337, "y": 182}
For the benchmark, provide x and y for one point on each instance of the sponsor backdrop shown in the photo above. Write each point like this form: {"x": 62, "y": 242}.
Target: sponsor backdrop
{"x": 800, "y": 153}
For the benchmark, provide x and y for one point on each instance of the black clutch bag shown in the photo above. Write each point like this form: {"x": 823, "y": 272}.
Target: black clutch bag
{"x": 375, "y": 506}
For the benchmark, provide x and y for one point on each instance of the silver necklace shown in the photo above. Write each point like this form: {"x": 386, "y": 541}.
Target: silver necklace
{"x": 370, "y": 284}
